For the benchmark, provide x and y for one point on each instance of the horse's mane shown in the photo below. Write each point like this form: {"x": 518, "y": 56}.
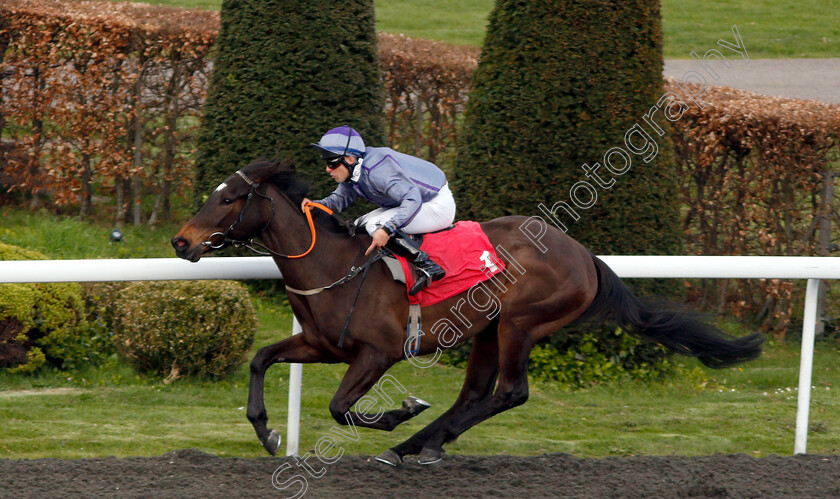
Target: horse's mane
{"x": 285, "y": 178}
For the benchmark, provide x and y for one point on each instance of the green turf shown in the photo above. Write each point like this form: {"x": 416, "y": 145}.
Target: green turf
{"x": 113, "y": 411}
{"x": 770, "y": 29}
{"x": 63, "y": 237}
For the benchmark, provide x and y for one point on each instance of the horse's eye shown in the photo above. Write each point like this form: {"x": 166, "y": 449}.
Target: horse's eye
{"x": 227, "y": 201}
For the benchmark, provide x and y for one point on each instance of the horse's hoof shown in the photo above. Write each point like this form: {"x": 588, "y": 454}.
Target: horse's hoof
{"x": 415, "y": 405}
{"x": 430, "y": 456}
{"x": 390, "y": 458}
{"x": 272, "y": 443}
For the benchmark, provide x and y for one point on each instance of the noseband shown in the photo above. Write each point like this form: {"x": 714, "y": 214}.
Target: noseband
{"x": 226, "y": 239}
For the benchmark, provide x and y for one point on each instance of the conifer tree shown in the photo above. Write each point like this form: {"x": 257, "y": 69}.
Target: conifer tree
{"x": 285, "y": 72}
{"x": 555, "y": 127}
{"x": 559, "y": 85}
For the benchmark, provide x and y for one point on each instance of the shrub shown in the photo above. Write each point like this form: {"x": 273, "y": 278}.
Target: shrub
{"x": 577, "y": 359}
{"x": 43, "y": 323}
{"x": 592, "y": 359}
{"x": 193, "y": 328}
{"x": 99, "y": 299}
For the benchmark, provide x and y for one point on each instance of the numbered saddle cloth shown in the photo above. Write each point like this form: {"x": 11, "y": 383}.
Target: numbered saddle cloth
{"x": 465, "y": 254}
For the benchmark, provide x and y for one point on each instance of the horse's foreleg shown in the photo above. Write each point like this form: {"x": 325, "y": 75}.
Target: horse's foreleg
{"x": 362, "y": 375}
{"x": 482, "y": 369}
{"x": 293, "y": 349}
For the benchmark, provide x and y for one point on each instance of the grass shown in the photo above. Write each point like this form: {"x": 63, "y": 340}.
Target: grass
{"x": 460, "y": 22}
{"x": 69, "y": 238}
{"x": 770, "y": 29}
{"x": 112, "y": 410}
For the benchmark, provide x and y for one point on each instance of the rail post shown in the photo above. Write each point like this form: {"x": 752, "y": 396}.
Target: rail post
{"x": 293, "y": 418}
{"x": 809, "y": 325}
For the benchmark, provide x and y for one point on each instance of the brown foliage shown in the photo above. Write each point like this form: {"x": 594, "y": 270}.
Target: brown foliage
{"x": 753, "y": 170}
{"x": 93, "y": 91}
{"x": 427, "y": 84}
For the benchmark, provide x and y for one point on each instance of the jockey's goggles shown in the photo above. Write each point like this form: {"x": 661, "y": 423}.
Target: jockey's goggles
{"x": 335, "y": 162}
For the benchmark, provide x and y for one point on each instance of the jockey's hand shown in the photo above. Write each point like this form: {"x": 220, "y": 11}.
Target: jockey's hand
{"x": 303, "y": 204}
{"x": 380, "y": 238}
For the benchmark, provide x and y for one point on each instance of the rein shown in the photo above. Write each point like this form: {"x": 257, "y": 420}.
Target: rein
{"x": 249, "y": 243}
{"x": 266, "y": 251}
{"x": 354, "y": 271}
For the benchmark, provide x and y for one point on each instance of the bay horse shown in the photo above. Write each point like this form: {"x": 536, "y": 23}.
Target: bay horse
{"x": 559, "y": 282}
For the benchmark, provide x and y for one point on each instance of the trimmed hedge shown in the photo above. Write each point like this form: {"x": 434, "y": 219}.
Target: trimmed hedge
{"x": 285, "y": 73}
{"x": 759, "y": 180}
{"x": 427, "y": 84}
{"x": 43, "y": 323}
{"x": 192, "y": 328}
{"x": 100, "y": 99}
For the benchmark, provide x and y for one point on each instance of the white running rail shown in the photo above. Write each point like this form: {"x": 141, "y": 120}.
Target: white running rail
{"x": 710, "y": 267}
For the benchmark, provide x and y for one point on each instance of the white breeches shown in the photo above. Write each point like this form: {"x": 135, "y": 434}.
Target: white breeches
{"x": 435, "y": 214}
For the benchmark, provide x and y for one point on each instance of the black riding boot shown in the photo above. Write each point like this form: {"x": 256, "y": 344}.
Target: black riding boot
{"x": 427, "y": 270}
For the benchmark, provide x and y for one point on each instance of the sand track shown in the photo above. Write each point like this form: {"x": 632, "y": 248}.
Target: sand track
{"x": 191, "y": 473}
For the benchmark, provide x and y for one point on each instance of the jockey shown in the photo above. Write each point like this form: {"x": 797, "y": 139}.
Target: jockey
{"x": 412, "y": 194}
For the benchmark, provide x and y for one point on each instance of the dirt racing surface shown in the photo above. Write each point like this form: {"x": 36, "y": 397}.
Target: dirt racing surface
{"x": 191, "y": 473}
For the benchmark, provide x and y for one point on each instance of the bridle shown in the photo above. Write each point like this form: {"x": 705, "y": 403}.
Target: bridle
{"x": 250, "y": 243}
{"x": 261, "y": 249}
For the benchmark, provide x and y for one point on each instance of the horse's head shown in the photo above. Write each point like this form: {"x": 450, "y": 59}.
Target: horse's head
{"x": 238, "y": 209}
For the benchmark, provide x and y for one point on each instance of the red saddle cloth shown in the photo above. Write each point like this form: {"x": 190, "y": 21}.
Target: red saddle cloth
{"x": 461, "y": 252}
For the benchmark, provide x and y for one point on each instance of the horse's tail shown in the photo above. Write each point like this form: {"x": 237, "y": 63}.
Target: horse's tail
{"x": 682, "y": 332}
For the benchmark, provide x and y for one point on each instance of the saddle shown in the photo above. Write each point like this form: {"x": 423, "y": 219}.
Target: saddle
{"x": 466, "y": 254}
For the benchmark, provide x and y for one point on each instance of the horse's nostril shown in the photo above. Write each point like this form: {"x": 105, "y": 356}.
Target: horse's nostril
{"x": 179, "y": 242}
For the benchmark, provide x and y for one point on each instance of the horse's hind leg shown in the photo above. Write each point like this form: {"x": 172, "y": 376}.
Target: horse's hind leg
{"x": 362, "y": 375}
{"x": 293, "y": 349}
{"x": 514, "y": 347}
{"x": 482, "y": 369}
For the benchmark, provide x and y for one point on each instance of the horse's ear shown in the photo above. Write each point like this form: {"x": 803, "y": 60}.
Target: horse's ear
{"x": 283, "y": 165}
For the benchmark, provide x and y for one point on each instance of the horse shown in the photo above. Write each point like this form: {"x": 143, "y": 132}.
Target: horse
{"x": 559, "y": 281}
